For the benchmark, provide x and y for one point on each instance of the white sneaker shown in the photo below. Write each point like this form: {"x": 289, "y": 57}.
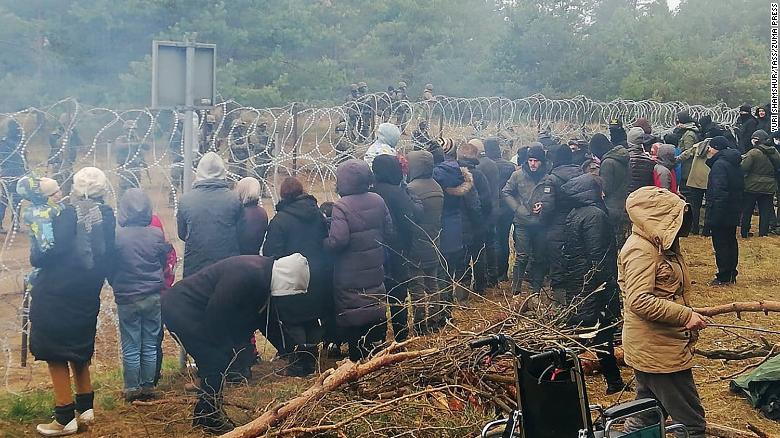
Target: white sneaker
{"x": 86, "y": 418}
{"x": 56, "y": 429}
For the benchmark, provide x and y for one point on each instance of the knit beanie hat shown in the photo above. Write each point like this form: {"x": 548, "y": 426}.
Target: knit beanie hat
{"x": 644, "y": 124}
{"x": 720, "y": 142}
{"x": 560, "y": 155}
{"x": 536, "y": 151}
{"x": 447, "y": 146}
{"x": 634, "y": 136}
{"x": 744, "y": 108}
{"x": 492, "y": 148}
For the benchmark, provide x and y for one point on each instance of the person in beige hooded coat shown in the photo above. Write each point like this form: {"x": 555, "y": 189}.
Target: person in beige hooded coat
{"x": 660, "y": 328}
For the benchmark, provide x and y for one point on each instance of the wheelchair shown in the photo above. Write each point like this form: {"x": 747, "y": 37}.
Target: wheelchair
{"x": 552, "y": 399}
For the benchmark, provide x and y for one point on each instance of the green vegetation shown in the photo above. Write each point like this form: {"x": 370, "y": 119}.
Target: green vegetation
{"x": 27, "y": 406}
{"x": 272, "y": 52}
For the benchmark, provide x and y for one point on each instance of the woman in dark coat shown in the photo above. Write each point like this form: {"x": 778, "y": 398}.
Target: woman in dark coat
{"x": 253, "y": 222}
{"x": 403, "y": 210}
{"x": 359, "y": 229}
{"x": 299, "y": 227}
{"x": 66, "y": 298}
{"x": 590, "y": 262}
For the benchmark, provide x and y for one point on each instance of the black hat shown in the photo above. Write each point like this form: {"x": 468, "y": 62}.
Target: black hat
{"x": 600, "y": 145}
{"x": 560, "y": 155}
{"x": 536, "y": 150}
{"x": 492, "y": 148}
{"x": 720, "y": 142}
{"x": 745, "y": 108}
{"x": 684, "y": 117}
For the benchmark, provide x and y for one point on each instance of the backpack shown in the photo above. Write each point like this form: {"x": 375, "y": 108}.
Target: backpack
{"x": 90, "y": 244}
{"x": 640, "y": 172}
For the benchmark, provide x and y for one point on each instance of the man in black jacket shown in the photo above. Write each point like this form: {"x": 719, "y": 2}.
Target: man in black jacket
{"x": 560, "y": 207}
{"x": 745, "y": 127}
{"x": 227, "y": 301}
{"x": 724, "y": 196}
{"x": 503, "y": 215}
{"x": 589, "y": 259}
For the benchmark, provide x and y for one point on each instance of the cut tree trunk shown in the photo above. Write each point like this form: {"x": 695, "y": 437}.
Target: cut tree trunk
{"x": 739, "y": 307}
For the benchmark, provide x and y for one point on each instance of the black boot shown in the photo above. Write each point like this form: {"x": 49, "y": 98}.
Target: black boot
{"x": 302, "y": 362}
{"x": 208, "y": 413}
{"x": 612, "y": 375}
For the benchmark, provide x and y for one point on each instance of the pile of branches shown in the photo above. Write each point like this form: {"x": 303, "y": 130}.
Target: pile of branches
{"x": 434, "y": 385}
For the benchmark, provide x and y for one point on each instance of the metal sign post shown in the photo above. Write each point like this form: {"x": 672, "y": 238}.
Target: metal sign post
{"x": 184, "y": 79}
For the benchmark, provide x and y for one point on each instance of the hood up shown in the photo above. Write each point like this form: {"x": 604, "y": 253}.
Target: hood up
{"x": 656, "y": 214}
{"x": 420, "y": 164}
{"x": 353, "y": 177}
{"x": 135, "y": 209}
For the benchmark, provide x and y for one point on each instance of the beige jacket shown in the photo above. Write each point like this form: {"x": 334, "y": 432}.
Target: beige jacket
{"x": 699, "y": 172}
{"x": 655, "y": 282}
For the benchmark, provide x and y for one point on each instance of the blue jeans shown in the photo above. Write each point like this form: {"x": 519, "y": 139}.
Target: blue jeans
{"x": 140, "y": 325}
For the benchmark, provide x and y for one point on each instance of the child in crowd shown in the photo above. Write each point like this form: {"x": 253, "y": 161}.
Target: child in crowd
{"x": 138, "y": 278}
{"x": 44, "y": 195}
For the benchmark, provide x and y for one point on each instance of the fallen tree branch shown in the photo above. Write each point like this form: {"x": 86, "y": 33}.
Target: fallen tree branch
{"x": 719, "y": 431}
{"x": 739, "y": 307}
{"x": 328, "y": 381}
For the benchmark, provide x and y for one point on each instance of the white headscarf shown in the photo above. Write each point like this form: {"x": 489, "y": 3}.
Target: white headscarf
{"x": 290, "y": 276}
{"x": 248, "y": 190}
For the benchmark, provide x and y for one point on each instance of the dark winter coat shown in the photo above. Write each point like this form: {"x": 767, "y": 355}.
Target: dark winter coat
{"x": 744, "y": 128}
{"x": 522, "y": 191}
{"x": 423, "y": 187}
{"x": 489, "y": 168}
{"x": 141, "y": 251}
{"x": 207, "y": 221}
{"x": 221, "y": 303}
{"x": 251, "y": 228}
{"x": 403, "y": 210}
{"x": 458, "y": 194}
{"x": 359, "y": 228}
{"x": 614, "y": 173}
{"x": 724, "y": 189}
{"x": 299, "y": 227}
{"x": 589, "y": 254}
{"x": 759, "y": 167}
{"x": 561, "y": 205}
{"x": 474, "y": 227}
{"x": 66, "y": 297}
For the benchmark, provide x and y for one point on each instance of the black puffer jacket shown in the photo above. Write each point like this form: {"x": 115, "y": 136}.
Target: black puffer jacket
{"x": 589, "y": 253}
{"x": 640, "y": 169}
{"x": 724, "y": 189}
{"x": 299, "y": 227}
{"x": 745, "y": 127}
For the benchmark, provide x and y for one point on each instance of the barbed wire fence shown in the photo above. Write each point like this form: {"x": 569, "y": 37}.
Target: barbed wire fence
{"x": 143, "y": 147}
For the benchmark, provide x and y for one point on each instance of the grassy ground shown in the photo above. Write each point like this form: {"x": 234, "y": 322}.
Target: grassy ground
{"x": 21, "y": 409}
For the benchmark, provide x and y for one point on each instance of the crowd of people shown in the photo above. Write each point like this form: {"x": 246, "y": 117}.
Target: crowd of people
{"x": 594, "y": 219}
